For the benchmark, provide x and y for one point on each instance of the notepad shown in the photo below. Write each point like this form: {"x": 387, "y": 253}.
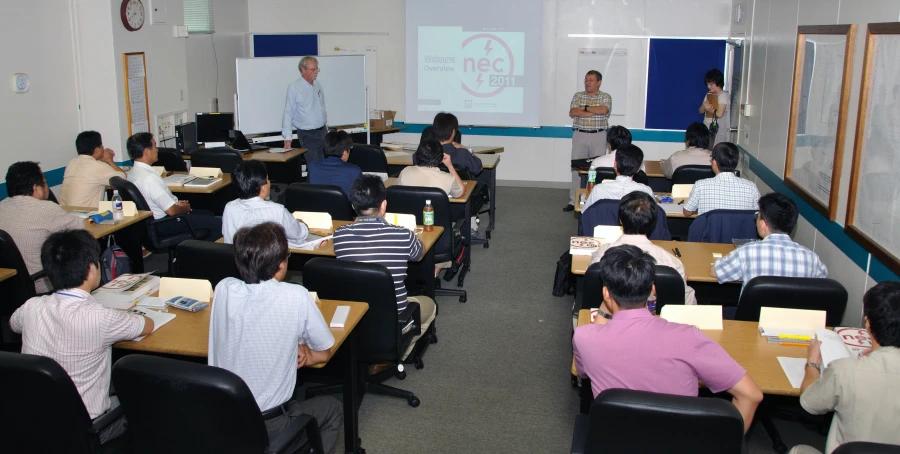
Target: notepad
{"x": 314, "y": 220}
{"x": 681, "y": 191}
{"x": 206, "y": 172}
{"x": 159, "y": 318}
{"x": 401, "y": 220}
{"x": 703, "y": 317}
{"x": 777, "y": 321}
{"x": 128, "y": 207}
{"x": 607, "y": 233}
{"x": 198, "y": 289}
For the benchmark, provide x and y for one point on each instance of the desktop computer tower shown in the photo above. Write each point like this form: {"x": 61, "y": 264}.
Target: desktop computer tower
{"x": 186, "y": 138}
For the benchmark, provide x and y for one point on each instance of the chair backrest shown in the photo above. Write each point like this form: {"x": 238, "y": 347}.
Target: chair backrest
{"x": 723, "y": 226}
{"x": 690, "y": 174}
{"x": 226, "y": 160}
{"x": 171, "y": 159}
{"x": 214, "y": 408}
{"x": 378, "y": 333}
{"x": 605, "y": 173}
{"x": 606, "y": 212}
{"x": 368, "y": 158}
{"x": 17, "y": 289}
{"x": 864, "y": 447}
{"x": 42, "y": 410}
{"x": 592, "y": 293}
{"x": 323, "y": 198}
{"x": 205, "y": 260}
{"x": 129, "y": 192}
{"x": 641, "y": 177}
{"x": 795, "y": 293}
{"x": 623, "y": 420}
{"x": 411, "y": 200}
{"x": 669, "y": 287}
{"x": 52, "y": 197}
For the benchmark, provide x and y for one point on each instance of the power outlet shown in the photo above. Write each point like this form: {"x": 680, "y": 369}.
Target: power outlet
{"x": 165, "y": 125}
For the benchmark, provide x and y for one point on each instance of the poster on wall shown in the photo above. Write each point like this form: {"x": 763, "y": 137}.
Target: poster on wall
{"x": 136, "y": 104}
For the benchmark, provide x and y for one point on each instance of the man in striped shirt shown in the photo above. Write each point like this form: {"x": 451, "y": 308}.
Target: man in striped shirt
{"x": 371, "y": 239}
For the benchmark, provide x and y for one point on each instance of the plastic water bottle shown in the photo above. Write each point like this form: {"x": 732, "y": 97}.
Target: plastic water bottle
{"x": 117, "y": 209}
{"x": 592, "y": 179}
{"x": 651, "y": 304}
{"x": 428, "y": 217}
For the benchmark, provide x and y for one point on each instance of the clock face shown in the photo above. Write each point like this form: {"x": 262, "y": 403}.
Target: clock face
{"x": 20, "y": 83}
{"x": 132, "y": 14}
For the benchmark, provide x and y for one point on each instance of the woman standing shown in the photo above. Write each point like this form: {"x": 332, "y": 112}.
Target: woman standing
{"x": 720, "y": 114}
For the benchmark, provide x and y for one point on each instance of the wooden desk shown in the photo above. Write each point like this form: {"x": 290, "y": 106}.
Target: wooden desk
{"x": 226, "y": 180}
{"x": 468, "y": 184}
{"x": 406, "y": 160}
{"x": 696, "y": 258}
{"x": 656, "y": 180}
{"x": 326, "y": 249}
{"x": 673, "y": 210}
{"x": 102, "y": 230}
{"x": 128, "y": 233}
{"x": 6, "y": 273}
{"x": 265, "y": 155}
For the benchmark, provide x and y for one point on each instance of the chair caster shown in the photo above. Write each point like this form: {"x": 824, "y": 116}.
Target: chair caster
{"x": 487, "y": 234}
{"x": 574, "y": 381}
{"x": 413, "y": 401}
{"x": 487, "y": 245}
{"x": 433, "y": 340}
{"x": 419, "y": 364}
{"x": 463, "y": 299}
{"x": 400, "y": 375}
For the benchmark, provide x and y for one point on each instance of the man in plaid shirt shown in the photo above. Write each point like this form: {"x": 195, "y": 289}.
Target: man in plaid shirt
{"x": 725, "y": 191}
{"x": 589, "y": 111}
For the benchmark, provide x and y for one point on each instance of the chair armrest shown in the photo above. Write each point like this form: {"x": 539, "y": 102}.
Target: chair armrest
{"x": 303, "y": 424}
{"x": 579, "y": 433}
{"x": 412, "y": 311}
{"x": 154, "y": 224}
{"x": 103, "y": 421}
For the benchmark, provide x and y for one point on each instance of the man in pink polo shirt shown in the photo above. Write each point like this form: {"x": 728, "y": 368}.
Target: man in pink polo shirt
{"x": 635, "y": 350}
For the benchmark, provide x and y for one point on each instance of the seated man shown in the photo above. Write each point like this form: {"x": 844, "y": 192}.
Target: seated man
{"x": 88, "y": 174}
{"x": 637, "y": 215}
{"x": 860, "y": 391}
{"x": 29, "y": 218}
{"x": 396, "y": 246}
{"x": 334, "y": 169}
{"x": 426, "y": 172}
{"x": 696, "y": 152}
{"x": 635, "y": 350}
{"x": 776, "y": 254}
{"x": 72, "y": 328}
{"x": 725, "y": 191}
{"x": 616, "y": 137}
{"x": 253, "y": 188}
{"x": 445, "y": 128}
{"x": 628, "y": 162}
{"x": 142, "y": 149}
{"x": 263, "y": 330}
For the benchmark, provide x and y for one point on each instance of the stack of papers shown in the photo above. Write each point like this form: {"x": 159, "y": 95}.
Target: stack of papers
{"x": 125, "y": 291}
{"x": 178, "y": 179}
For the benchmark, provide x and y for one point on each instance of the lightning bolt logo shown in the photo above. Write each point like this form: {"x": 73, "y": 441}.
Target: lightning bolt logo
{"x": 478, "y": 79}
{"x": 487, "y": 48}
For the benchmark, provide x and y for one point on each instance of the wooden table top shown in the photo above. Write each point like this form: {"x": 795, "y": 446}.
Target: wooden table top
{"x": 753, "y": 352}
{"x": 673, "y": 210}
{"x": 326, "y": 248}
{"x": 226, "y": 180}
{"x": 6, "y": 273}
{"x": 696, "y": 258}
{"x": 265, "y": 155}
{"x": 653, "y": 169}
{"x": 469, "y": 185}
{"x": 102, "y": 230}
{"x": 188, "y": 333}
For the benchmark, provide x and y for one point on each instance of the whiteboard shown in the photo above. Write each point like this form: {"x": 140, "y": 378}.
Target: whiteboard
{"x": 262, "y": 87}
{"x": 613, "y": 66}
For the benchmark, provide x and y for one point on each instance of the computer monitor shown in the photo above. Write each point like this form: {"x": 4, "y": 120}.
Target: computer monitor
{"x": 213, "y": 127}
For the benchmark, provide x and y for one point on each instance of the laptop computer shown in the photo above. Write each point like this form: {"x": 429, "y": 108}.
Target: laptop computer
{"x": 240, "y": 143}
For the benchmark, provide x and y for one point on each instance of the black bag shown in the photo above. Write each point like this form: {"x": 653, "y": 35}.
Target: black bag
{"x": 564, "y": 281}
{"x": 713, "y": 130}
{"x": 114, "y": 262}
{"x": 582, "y": 164}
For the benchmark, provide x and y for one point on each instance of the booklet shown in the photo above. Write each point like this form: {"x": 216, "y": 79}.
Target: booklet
{"x": 159, "y": 318}
{"x": 126, "y": 290}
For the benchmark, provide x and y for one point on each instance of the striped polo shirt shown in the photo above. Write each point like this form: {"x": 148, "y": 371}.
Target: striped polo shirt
{"x": 371, "y": 239}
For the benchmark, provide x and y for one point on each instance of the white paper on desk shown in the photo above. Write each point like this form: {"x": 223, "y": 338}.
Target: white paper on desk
{"x": 681, "y": 191}
{"x": 774, "y": 319}
{"x": 153, "y": 302}
{"x": 159, "y": 318}
{"x": 314, "y": 220}
{"x": 314, "y": 242}
{"x": 794, "y": 368}
{"x": 401, "y": 220}
{"x": 391, "y": 154}
{"x": 672, "y": 208}
{"x": 198, "y": 289}
{"x": 832, "y": 347}
{"x": 128, "y": 207}
{"x": 206, "y": 172}
{"x": 279, "y": 150}
{"x": 703, "y": 317}
{"x": 607, "y": 233}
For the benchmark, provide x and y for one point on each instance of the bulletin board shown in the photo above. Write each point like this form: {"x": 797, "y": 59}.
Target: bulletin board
{"x": 675, "y": 71}
{"x": 137, "y": 106}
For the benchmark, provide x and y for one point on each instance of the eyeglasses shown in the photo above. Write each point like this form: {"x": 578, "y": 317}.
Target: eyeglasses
{"x": 315, "y": 70}
{"x": 756, "y": 216}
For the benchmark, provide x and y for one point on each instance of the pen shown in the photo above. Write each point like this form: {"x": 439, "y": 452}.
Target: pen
{"x": 677, "y": 253}
{"x": 681, "y": 202}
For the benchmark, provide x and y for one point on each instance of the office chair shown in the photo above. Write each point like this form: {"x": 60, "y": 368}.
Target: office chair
{"x": 623, "y": 420}
{"x": 171, "y": 159}
{"x": 669, "y": 287}
{"x": 226, "y": 160}
{"x": 411, "y": 200}
{"x": 641, "y": 177}
{"x": 795, "y": 293}
{"x": 864, "y": 447}
{"x": 604, "y": 173}
{"x": 43, "y": 412}
{"x": 379, "y": 335}
{"x": 155, "y": 238}
{"x": 180, "y": 406}
{"x": 323, "y": 198}
{"x": 606, "y": 212}
{"x": 723, "y": 226}
{"x": 205, "y": 260}
{"x": 15, "y": 290}
{"x": 690, "y": 174}
{"x": 368, "y": 158}
{"x": 52, "y": 197}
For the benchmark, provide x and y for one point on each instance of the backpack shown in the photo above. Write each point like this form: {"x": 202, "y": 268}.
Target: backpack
{"x": 564, "y": 281}
{"x": 114, "y": 262}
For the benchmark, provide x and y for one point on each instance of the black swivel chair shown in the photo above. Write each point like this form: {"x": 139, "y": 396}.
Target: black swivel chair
{"x": 52, "y": 197}
{"x": 368, "y": 158}
{"x": 379, "y": 335}
{"x": 669, "y": 287}
{"x": 606, "y": 212}
{"x": 323, "y": 198}
{"x": 795, "y": 293}
{"x": 201, "y": 409}
{"x": 43, "y": 412}
{"x": 411, "y": 200}
{"x": 15, "y": 290}
{"x": 690, "y": 174}
{"x": 604, "y": 173}
{"x": 226, "y": 160}
{"x": 205, "y": 260}
{"x": 171, "y": 159}
{"x": 723, "y": 226}
{"x": 864, "y": 447}
{"x": 624, "y": 420}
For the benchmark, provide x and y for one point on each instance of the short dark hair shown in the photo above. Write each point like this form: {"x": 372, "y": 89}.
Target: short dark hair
{"x": 87, "y": 142}
{"x": 617, "y": 137}
{"x": 21, "y": 178}
{"x": 366, "y": 194}
{"x": 779, "y": 212}
{"x": 249, "y": 177}
{"x": 427, "y": 134}
{"x": 595, "y": 73}
{"x": 715, "y": 76}
{"x": 336, "y": 142}
{"x": 137, "y": 143}
{"x": 429, "y": 154}
{"x": 445, "y": 124}
{"x": 67, "y": 257}
{"x": 881, "y": 305}
{"x": 727, "y": 156}
{"x": 628, "y": 160}
{"x": 697, "y": 135}
{"x": 259, "y": 250}
{"x": 627, "y": 273}
{"x": 637, "y": 213}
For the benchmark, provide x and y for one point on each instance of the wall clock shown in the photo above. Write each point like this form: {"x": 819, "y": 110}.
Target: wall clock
{"x": 132, "y": 13}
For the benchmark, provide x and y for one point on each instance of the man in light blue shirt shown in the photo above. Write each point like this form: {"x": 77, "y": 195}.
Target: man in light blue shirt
{"x": 304, "y": 109}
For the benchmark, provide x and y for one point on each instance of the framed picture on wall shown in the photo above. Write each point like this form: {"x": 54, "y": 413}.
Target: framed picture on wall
{"x": 819, "y": 103}
{"x": 873, "y": 210}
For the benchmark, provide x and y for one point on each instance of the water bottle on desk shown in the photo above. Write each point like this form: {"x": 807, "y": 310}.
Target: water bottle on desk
{"x": 592, "y": 179}
{"x": 651, "y": 304}
{"x": 117, "y": 208}
{"x": 428, "y": 217}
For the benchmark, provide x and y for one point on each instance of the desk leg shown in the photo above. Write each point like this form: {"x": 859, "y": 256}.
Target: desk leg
{"x": 467, "y": 234}
{"x": 584, "y": 180}
{"x": 352, "y": 443}
{"x": 427, "y": 266}
{"x": 491, "y": 213}
{"x": 129, "y": 239}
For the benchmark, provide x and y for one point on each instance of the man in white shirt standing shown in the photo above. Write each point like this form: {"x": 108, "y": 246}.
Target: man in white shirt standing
{"x": 88, "y": 174}
{"x": 725, "y": 191}
{"x": 628, "y": 162}
{"x": 304, "y": 109}
{"x": 252, "y": 208}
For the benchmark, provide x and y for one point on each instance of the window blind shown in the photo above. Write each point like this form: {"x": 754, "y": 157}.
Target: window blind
{"x": 198, "y": 16}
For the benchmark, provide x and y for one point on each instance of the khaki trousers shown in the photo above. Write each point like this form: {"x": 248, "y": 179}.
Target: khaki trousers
{"x": 585, "y": 146}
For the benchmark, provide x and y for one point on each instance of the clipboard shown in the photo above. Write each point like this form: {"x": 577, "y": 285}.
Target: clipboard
{"x": 714, "y": 100}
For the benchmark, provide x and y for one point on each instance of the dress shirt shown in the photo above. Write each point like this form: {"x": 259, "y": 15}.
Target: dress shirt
{"x": 29, "y": 221}
{"x": 254, "y": 331}
{"x": 334, "y": 171}
{"x": 693, "y": 156}
{"x": 725, "y": 191}
{"x": 614, "y": 190}
{"x": 85, "y": 181}
{"x": 73, "y": 329}
{"x": 638, "y": 351}
{"x": 460, "y": 157}
{"x": 775, "y": 255}
{"x": 153, "y": 188}
{"x": 430, "y": 177}
{"x": 304, "y": 107}
{"x": 862, "y": 393}
{"x": 253, "y": 211}
{"x": 662, "y": 257}
{"x": 608, "y": 160}
{"x": 581, "y": 99}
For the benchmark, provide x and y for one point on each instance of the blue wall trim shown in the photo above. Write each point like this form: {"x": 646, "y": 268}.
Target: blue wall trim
{"x": 553, "y": 132}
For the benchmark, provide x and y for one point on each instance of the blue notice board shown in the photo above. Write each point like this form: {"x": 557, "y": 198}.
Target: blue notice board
{"x": 285, "y": 45}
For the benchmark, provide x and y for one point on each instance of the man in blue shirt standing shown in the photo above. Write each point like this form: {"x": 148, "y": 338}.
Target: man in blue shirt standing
{"x": 334, "y": 169}
{"x": 304, "y": 109}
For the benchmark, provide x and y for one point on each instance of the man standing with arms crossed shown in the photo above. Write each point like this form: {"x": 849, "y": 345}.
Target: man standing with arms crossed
{"x": 304, "y": 109}
{"x": 590, "y": 115}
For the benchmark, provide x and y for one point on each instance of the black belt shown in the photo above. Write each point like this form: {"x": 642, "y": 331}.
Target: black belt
{"x": 590, "y": 131}
{"x": 317, "y": 129}
{"x": 273, "y": 412}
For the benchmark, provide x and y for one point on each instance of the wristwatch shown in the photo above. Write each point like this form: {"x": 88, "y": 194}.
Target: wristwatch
{"x": 815, "y": 365}
{"x": 604, "y": 315}
{"x": 585, "y": 108}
